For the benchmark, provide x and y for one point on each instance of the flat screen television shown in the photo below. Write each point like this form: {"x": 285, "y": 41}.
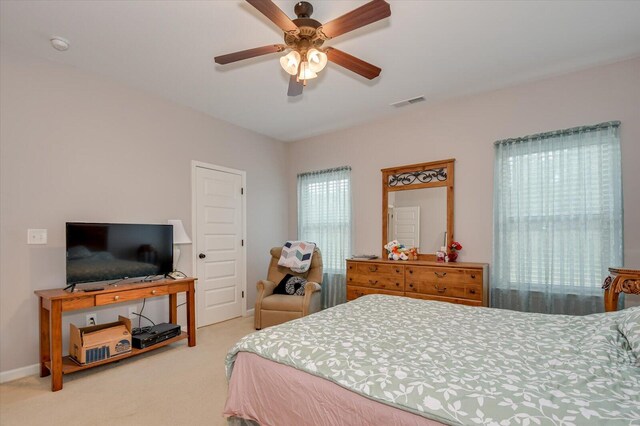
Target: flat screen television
{"x": 113, "y": 251}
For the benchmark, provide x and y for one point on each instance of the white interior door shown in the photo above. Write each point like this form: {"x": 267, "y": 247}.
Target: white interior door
{"x": 406, "y": 225}
{"x": 219, "y": 245}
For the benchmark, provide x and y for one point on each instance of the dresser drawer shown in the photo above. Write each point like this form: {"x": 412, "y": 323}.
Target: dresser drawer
{"x": 353, "y": 292}
{"x": 445, "y": 299}
{"x": 466, "y": 291}
{"x": 366, "y": 268}
{"x": 383, "y": 282}
{"x": 122, "y": 296}
{"x": 443, "y": 275}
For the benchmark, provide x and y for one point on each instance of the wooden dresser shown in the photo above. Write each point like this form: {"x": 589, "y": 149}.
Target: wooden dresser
{"x": 463, "y": 283}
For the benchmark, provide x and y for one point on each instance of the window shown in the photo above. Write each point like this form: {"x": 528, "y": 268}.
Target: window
{"x": 557, "y": 217}
{"x": 324, "y": 217}
{"x": 324, "y": 214}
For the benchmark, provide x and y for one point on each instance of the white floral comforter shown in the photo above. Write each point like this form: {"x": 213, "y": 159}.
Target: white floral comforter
{"x": 465, "y": 365}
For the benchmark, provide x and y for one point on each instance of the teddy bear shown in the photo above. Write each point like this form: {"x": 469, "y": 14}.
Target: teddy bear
{"x": 396, "y": 250}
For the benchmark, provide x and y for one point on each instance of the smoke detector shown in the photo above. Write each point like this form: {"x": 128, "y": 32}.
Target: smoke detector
{"x": 59, "y": 44}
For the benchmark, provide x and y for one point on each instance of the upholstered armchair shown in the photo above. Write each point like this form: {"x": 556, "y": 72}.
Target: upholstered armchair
{"x": 272, "y": 309}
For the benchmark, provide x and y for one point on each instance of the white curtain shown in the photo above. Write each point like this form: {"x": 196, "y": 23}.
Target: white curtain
{"x": 557, "y": 219}
{"x": 324, "y": 217}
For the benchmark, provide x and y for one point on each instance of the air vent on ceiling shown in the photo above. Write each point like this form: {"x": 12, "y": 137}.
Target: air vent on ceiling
{"x": 408, "y": 102}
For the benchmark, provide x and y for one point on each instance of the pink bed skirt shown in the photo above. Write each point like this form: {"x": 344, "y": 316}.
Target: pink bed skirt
{"x": 273, "y": 394}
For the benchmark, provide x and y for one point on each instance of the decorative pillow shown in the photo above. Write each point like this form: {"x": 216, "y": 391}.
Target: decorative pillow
{"x": 629, "y": 326}
{"x": 292, "y": 285}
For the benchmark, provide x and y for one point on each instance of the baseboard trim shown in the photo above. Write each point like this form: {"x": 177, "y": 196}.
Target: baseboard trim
{"x": 250, "y": 312}
{"x": 19, "y": 373}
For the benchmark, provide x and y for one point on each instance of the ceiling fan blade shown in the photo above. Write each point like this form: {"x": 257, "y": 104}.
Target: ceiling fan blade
{"x": 249, "y": 53}
{"x": 295, "y": 87}
{"x": 364, "y": 15}
{"x": 275, "y": 14}
{"x": 352, "y": 63}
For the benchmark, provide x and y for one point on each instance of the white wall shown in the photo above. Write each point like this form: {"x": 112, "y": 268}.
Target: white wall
{"x": 78, "y": 147}
{"x": 465, "y": 129}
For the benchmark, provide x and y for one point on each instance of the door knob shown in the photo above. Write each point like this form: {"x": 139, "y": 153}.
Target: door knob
{"x": 202, "y": 255}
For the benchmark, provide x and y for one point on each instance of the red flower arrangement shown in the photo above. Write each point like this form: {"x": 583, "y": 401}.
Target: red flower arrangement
{"x": 454, "y": 248}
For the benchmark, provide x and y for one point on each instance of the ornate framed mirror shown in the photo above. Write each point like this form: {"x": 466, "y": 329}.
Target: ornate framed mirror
{"x": 417, "y": 206}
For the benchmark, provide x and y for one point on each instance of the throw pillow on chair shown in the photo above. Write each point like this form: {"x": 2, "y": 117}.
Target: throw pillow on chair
{"x": 291, "y": 285}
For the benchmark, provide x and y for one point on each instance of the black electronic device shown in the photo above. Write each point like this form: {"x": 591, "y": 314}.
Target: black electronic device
{"x": 113, "y": 251}
{"x": 156, "y": 334}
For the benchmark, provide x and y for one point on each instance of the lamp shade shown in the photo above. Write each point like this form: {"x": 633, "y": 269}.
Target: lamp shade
{"x": 317, "y": 60}
{"x": 290, "y": 62}
{"x": 305, "y": 72}
{"x": 179, "y": 234}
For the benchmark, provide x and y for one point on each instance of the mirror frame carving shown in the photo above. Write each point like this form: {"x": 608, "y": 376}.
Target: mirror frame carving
{"x": 433, "y": 174}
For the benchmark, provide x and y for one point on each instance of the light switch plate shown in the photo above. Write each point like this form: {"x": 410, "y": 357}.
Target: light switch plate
{"x": 36, "y": 236}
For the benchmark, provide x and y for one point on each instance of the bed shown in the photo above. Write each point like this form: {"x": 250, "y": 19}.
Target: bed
{"x": 395, "y": 360}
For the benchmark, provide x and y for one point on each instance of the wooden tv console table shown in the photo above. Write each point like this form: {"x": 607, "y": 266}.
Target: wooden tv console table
{"x": 54, "y": 302}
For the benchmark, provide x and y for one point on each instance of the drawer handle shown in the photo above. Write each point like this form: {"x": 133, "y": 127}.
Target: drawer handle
{"x": 473, "y": 276}
{"x": 441, "y": 274}
{"x": 440, "y": 290}
{"x": 397, "y": 271}
{"x": 153, "y": 291}
{"x": 116, "y": 297}
{"x": 472, "y": 291}
{"x": 397, "y": 284}
{"x": 373, "y": 268}
{"x": 373, "y": 282}
{"x": 411, "y": 271}
{"x": 411, "y": 285}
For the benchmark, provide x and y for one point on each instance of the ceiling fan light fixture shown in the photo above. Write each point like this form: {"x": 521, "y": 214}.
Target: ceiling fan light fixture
{"x": 290, "y": 62}
{"x": 305, "y": 36}
{"x": 317, "y": 60}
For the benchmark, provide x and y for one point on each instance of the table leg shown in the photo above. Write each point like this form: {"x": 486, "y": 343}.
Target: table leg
{"x": 173, "y": 308}
{"x": 45, "y": 342}
{"x": 56, "y": 345}
{"x": 191, "y": 314}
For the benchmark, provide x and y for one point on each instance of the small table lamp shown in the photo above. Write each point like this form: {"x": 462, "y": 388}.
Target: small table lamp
{"x": 179, "y": 237}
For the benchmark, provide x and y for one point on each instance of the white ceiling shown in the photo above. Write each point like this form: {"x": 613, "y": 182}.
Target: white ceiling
{"x": 438, "y": 49}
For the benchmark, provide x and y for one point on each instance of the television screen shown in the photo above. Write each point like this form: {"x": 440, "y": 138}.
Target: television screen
{"x": 111, "y": 251}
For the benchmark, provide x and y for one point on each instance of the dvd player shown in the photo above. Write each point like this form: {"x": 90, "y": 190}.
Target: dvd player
{"x": 156, "y": 334}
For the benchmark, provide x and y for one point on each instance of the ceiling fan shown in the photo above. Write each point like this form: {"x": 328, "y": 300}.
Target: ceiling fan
{"x": 304, "y": 38}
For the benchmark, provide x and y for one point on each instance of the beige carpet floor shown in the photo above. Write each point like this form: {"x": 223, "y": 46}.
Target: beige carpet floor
{"x": 175, "y": 385}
